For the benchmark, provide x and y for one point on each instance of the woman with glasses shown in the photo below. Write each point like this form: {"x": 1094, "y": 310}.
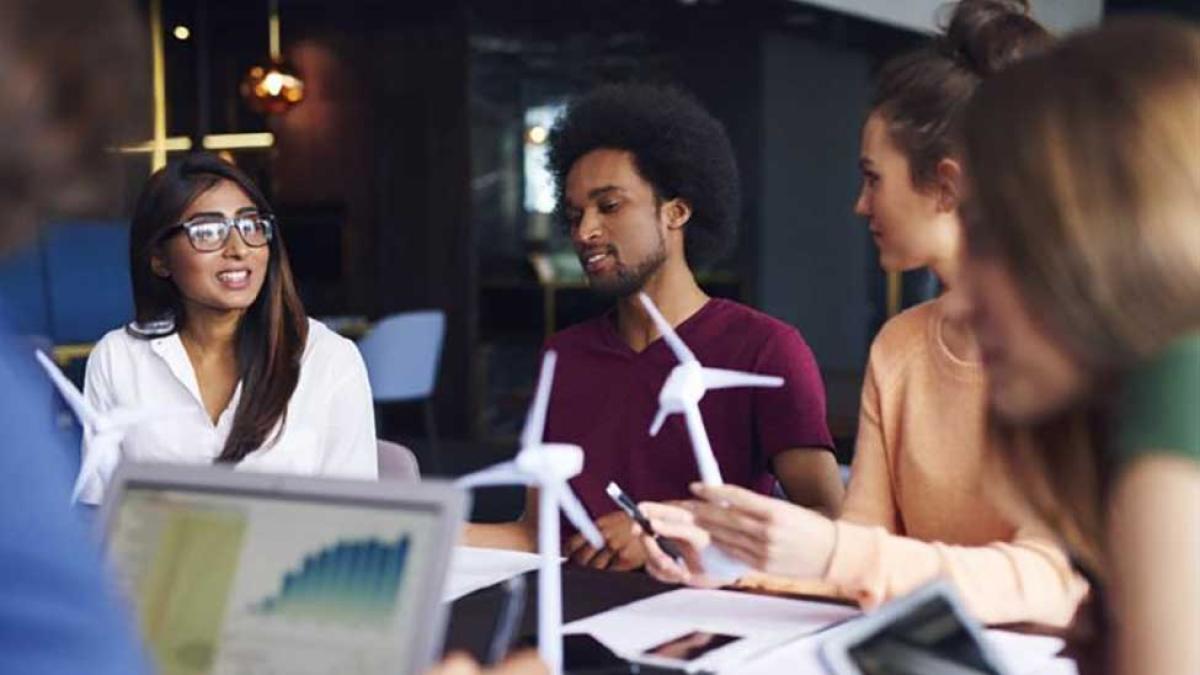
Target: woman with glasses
{"x": 221, "y": 339}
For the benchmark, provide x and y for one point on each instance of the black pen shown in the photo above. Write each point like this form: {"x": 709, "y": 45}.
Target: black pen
{"x": 630, "y": 508}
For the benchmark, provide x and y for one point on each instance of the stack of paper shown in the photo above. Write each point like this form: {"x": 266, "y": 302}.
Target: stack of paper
{"x": 763, "y": 623}
{"x": 780, "y": 635}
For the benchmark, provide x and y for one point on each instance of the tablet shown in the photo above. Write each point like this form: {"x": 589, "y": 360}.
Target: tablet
{"x": 927, "y": 632}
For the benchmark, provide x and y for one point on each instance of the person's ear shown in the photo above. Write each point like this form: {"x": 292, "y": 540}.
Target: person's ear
{"x": 158, "y": 265}
{"x": 678, "y": 212}
{"x": 949, "y": 185}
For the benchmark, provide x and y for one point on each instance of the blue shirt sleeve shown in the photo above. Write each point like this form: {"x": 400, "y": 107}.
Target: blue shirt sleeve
{"x": 58, "y": 611}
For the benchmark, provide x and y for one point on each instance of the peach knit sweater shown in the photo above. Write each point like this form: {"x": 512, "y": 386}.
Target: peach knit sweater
{"x": 925, "y": 500}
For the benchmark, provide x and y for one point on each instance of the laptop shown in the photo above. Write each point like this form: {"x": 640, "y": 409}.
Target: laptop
{"x": 246, "y": 573}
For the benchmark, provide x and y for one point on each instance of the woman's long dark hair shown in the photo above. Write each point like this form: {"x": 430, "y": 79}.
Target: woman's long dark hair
{"x": 270, "y": 336}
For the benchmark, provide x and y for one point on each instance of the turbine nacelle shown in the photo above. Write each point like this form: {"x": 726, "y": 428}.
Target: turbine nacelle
{"x": 558, "y": 461}
{"x": 685, "y": 383}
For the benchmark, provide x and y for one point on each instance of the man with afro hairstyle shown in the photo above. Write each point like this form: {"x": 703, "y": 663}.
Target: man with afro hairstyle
{"x": 648, "y": 189}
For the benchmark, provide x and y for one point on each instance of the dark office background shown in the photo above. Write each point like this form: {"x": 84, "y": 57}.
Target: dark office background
{"x": 401, "y": 179}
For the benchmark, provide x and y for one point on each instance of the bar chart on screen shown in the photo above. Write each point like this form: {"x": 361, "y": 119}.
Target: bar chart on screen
{"x": 317, "y": 605}
{"x": 232, "y": 584}
{"x": 350, "y": 582}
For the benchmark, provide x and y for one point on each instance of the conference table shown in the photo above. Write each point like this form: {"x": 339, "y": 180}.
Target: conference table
{"x": 587, "y": 592}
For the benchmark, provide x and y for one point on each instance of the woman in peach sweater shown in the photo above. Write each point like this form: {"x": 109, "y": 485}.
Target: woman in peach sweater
{"x": 925, "y": 499}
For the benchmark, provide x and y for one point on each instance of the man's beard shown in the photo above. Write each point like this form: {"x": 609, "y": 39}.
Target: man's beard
{"x": 629, "y": 280}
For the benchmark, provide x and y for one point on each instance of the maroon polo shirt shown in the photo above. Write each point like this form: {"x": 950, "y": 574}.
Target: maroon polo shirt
{"x": 605, "y": 396}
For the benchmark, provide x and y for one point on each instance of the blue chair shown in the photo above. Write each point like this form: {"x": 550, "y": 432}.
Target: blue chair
{"x": 24, "y": 291}
{"x": 402, "y": 352}
{"x": 73, "y": 285}
{"x": 87, "y": 267}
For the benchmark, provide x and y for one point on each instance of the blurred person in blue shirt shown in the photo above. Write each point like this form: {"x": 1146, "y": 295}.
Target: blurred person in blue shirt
{"x": 65, "y": 74}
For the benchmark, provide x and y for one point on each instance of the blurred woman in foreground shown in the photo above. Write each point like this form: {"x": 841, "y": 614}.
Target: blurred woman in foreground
{"x": 1083, "y": 272}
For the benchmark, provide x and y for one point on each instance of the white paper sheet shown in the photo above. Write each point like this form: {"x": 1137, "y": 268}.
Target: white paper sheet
{"x": 800, "y": 656}
{"x": 1058, "y": 666}
{"x": 1026, "y": 654}
{"x": 765, "y": 623}
{"x": 1022, "y": 654}
{"x": 474, "y": 568}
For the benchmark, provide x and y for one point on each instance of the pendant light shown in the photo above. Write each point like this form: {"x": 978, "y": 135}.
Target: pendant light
{"x": 273, "y": 87}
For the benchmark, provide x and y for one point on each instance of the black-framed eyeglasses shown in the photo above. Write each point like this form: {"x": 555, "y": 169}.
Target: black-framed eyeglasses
{"x": 208, "y": 233}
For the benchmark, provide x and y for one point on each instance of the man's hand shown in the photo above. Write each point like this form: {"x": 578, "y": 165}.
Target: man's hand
{"x": 622, "y": 551}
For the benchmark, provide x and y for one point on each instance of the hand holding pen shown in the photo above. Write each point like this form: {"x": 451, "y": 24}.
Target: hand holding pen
{"x": 675, "y": 525}
{"x": 631, "y": 509}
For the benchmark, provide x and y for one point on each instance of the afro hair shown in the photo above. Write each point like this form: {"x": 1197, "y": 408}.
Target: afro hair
{"x": 677, "y": 147}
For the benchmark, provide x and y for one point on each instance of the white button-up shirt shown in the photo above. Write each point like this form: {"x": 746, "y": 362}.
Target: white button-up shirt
{"x": 329, "y": 429}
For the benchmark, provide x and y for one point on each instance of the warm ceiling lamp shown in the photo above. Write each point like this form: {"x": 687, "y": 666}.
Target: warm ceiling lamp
{"x": 274, "y": 86}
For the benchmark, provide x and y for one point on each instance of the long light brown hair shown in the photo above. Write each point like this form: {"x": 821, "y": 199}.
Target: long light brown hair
{"x": 1085, "y": 176}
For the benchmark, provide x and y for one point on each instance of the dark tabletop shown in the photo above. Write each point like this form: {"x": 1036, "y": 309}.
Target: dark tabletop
{"x": 585, "y": 592}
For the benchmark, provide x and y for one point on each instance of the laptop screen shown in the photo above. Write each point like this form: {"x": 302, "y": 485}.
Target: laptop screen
{"x": 239, "y": 581}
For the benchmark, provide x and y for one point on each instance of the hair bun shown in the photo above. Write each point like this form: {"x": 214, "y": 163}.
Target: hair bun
{"x": 986, "y": 36}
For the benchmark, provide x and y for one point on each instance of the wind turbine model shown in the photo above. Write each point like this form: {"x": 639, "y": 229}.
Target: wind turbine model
{"x": 104, "y": 431}
{"x": 681, "y": 393}
{"x": 548, "y": 466}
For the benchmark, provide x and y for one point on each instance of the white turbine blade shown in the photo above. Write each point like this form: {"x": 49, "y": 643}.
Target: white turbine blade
{"x": 535, "y": 423}
{"x": 681, "y": 350}
{"x": 88, "y": 469}
{"x": 504, "y": 473}
{"x": 78, "y": 404}
{"x": 659, "y": 418}
{"x": 719, "y": 378}
{"x": 81, "y": 482}
{"x": 578, "y": 515}
{"x": 99, "y": 462}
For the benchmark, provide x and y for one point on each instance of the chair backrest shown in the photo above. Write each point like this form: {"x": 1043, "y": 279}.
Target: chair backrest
{"x": 87, "y": 265}
{"x": 397, "y": 462}
{"x": 73, "y": 285}
{"x": 402, "y": 352}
